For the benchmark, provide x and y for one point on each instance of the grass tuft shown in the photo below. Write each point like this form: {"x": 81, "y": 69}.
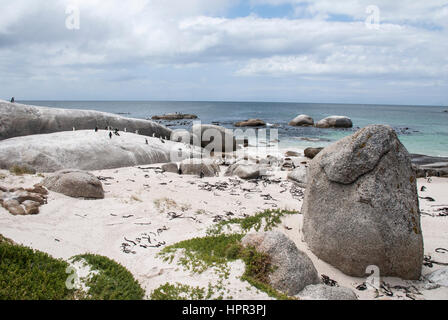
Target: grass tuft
{"x": 21, "y": 170}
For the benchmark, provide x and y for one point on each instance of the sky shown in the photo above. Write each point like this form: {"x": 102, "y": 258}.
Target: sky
{"x": 352, "y": 51}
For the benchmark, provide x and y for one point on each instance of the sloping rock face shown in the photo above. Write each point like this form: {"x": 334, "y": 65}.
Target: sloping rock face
{"x": 324, "y": 292}
{"x": 199, "y": 167}
{"x": 293, "y": 270}
{"x": 21, "y": 120}
{"x": 75, "y": 183}
{"x": 215, "y": 137}
{"x": 20, "y": 201}
{"x": 335, "y": 122}
{"x": 89, "y": 150}
{"x": 361, "y": 206}
{"x": 251, "y": 123}
{"x": 302, "y": 120}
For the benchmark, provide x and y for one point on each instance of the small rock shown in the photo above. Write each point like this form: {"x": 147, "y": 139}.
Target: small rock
{"x": 251, "y": 123}
{"x": 170, "y": 167}
{"x": 439, "y": 277}
{"x": 199, "y": 167}
{"x": 298, "y": 175}
{"x": 324, "y": 292}
{"x": 312, "y": 152}
{"x": 243, "y": 171}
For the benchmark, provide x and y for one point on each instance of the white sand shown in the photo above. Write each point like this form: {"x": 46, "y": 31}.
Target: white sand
{"x": 66, "y": 226}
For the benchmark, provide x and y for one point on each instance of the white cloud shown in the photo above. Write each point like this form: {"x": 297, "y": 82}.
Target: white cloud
{"x": 120, "y": 38}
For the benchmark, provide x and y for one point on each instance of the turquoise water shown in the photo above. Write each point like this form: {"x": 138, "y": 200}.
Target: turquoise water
{"x": 422, "y": 129}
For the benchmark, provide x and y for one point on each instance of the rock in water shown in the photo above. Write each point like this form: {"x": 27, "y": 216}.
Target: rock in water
{"x": 293, "y": 269}
{"x": 361, "y": 205}
{"x": 21, "y": 120}
{"x": 251, "y": 123}
{"x": 88, "y": 150}
{"x": 199, "y": 167}
{"x": 324, "y": 292}
{"x": 312, "y": 152}
{"x": 302, "y": 120}
{"x": 335, "y": 122}
{"x": 75, "y": 183}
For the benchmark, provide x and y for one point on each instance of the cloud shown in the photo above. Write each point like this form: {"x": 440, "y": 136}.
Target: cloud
{"x": 144, "y": 39}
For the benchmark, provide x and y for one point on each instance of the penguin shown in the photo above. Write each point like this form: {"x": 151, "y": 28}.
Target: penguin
{"x": 96, "y": 129}
{"x": 146, "y": 140}
{"x": 110, "y": 135}
{"x": 12, "y": 100}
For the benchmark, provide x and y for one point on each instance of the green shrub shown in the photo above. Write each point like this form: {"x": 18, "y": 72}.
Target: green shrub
{"x": 113, "y": 281}
{"x": 21, "y": 170}
{"x": 27, "y": 274}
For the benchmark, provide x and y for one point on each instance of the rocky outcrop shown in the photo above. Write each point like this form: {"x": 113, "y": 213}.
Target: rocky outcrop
{"x": 75, "y": 183}
{"x": 335, "y": 122}
{"x": 312, "y": 152}
{"x": 199, "y": 167}
{"x": 293, "y": 270}
{"x": 244, "y": 171}
{"x": 215, "y": 137}
{"x": 20, "y": 201}
{"x": 302, "y": 120}
{"x": 298, "y": 175}
{"x": 175, "y": 116}
{"x": 292, "y": 154}
{"x": 324, "y": 292}
{"x": 20, "y": 120}
{"x": 251, "y": 123}
{"x": 89, "y": 150}
{"x": 361, "y": 205}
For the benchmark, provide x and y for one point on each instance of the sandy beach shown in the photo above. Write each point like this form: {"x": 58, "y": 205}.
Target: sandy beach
{"x": 142, "y": 201}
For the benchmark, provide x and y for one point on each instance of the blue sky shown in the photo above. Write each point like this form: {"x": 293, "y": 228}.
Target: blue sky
{"x": 226, "y": 50}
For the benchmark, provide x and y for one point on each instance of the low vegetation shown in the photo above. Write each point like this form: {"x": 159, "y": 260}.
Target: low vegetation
{"x": 27, "y": 274}
{"x": 166, "y": 204}
{"x": 111, "y": 282}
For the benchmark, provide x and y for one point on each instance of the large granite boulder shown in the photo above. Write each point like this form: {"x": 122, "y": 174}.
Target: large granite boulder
{"x": 75, "y": 183}
{"x": 324, "y": 292}
{"x": 20, "y": 120}
{"x": 293, "y": 270}
{"x": 302, "y": 120}
{"x": 251, "y": 123}
{"x": 89, "y": 150}
{"x": 215, "y": 138}
{"x": 361, "y": 205}
{"x": 335, "y": 122}
{"x": 199, "y": 167}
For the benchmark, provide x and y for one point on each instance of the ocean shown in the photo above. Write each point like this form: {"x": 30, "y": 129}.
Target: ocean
{"x": 422, "y": 129}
